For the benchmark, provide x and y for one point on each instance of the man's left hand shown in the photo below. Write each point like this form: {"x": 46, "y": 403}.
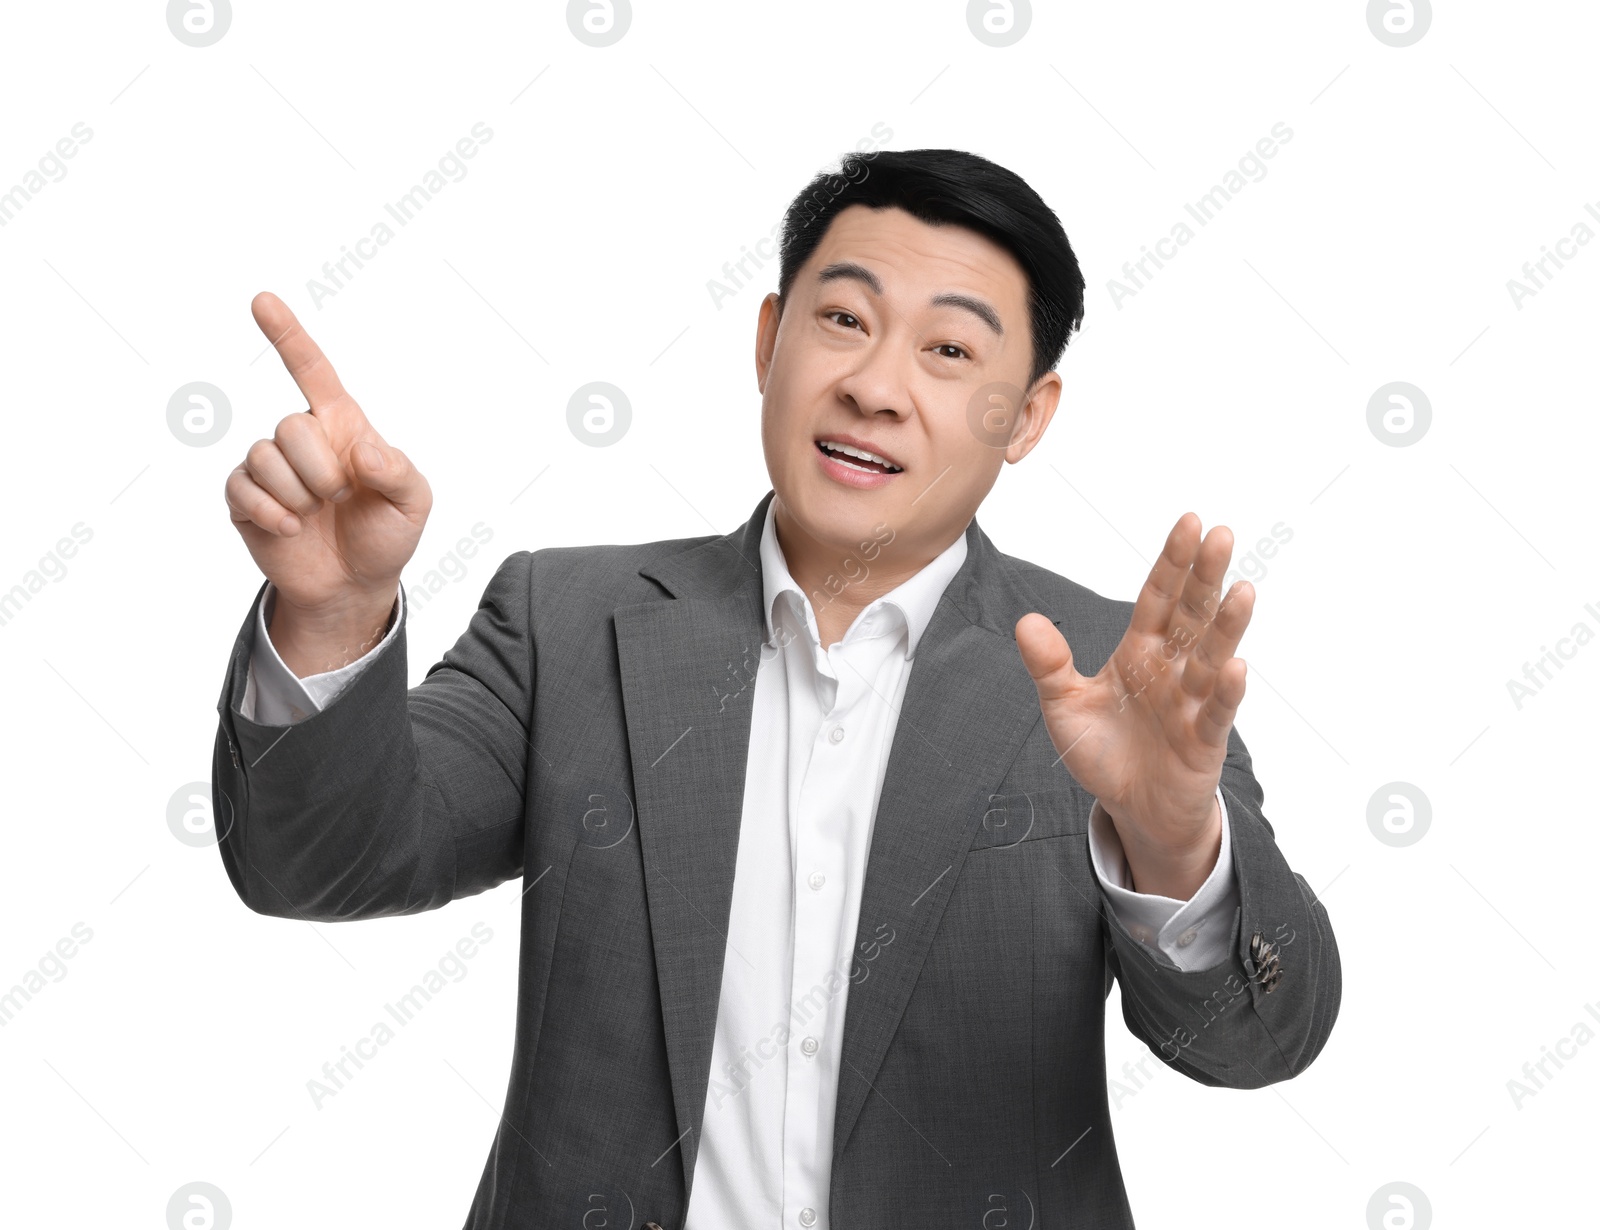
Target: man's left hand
{"x": 1148, "y": 734}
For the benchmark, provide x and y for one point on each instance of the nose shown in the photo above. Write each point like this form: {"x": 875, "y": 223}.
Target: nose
{"x": 880, "y": 379}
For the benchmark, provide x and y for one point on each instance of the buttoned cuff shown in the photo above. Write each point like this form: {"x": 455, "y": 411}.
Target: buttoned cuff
{"x": 274, "y": 695}
{"x": 1195, "y": 934}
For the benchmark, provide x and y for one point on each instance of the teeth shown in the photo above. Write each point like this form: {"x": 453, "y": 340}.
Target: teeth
{"x": 859, "y": 452}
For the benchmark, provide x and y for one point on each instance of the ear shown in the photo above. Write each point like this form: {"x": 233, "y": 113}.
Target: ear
{"x": 1035, "y": 416}
{"x": 766, "y": 338}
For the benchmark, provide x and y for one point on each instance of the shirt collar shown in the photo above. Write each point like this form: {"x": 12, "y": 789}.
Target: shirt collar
{"x": 914, "y": 599}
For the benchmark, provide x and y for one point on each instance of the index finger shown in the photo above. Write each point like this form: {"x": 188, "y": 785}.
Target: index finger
{"x": 303, "y": 357}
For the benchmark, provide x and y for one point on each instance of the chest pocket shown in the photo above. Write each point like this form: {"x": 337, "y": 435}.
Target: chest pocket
{"x": 1032, "y": 815}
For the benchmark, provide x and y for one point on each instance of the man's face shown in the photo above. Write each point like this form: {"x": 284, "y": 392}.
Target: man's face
{"x": 891, "y": 332}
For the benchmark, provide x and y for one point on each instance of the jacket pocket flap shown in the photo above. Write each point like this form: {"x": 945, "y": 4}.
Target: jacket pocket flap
{"x": 1031, "y": 815}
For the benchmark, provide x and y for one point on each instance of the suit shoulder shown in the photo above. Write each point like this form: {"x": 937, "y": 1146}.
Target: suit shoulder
{"x": 1064, "y": 594}
{"x": 606, "y": 572}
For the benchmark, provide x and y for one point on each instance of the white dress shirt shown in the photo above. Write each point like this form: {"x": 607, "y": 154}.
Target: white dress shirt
{"x": 821, "y": 729}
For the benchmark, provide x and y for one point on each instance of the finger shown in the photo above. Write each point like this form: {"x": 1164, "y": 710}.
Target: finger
{"x": 1152, "y": 610}
{"x": 1202, "y": 589}
{"x": 389, "y": 472}
{"x": 249, "y": 502}
{"x": 1221, "y": 639}
{"x": 1216, "y": 715}
{"x": 1047, "y": 656}
{"x": 266, "y": 464}
{"x": 303, "y": 441}
{"x": 301, "y": 356}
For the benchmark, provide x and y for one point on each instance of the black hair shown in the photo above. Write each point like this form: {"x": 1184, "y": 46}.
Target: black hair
{"x": 943, "y": 186}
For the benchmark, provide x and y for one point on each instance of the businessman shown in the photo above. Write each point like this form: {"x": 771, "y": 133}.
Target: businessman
{"x": 834, "y": 829}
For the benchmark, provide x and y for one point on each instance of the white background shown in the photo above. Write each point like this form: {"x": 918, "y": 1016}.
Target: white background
{"x": 1417, "y": 582}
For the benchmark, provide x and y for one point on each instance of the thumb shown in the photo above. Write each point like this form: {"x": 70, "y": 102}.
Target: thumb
{"x": 1046, "y": 654}
{"x": 389, "y": 472}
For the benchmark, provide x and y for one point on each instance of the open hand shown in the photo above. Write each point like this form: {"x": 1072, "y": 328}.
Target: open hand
{"x": 1148, "y": 734}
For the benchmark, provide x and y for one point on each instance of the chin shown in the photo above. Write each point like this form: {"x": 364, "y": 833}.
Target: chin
{"x": 837, "y": 517}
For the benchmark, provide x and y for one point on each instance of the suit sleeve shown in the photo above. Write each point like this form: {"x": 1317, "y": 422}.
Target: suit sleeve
{"x": 386, "y": 801}
{"x": 1264, "y": 1011}
{"x": 1194, "y": 933}
{"x": 275, "y": 696}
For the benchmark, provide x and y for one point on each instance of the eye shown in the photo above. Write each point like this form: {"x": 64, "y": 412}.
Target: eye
{"x": 959, "y": 352}
{"x": 849, "y": 321}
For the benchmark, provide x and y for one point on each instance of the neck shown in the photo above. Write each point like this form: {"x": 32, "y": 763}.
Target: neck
{"x": 839, "y": 582}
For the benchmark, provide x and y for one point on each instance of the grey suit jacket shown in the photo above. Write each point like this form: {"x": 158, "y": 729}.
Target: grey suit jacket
{"x": 587, "y": 733}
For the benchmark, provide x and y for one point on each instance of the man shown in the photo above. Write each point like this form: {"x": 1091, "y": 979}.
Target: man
{"x": 836, "y": 828}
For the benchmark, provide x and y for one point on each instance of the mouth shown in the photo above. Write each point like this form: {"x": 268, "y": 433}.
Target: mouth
{"x": 857, "y": 457}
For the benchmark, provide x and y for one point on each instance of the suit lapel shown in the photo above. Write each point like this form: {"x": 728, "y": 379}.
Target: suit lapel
{"x": 966, "y": 712}
{"x": 688, "y": 734}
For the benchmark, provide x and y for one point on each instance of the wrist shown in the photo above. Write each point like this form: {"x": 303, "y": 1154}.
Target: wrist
{"x": 1171, "y": 868}
{"x": 315, "y": 640}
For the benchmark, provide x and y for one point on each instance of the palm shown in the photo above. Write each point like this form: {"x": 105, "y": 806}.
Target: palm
{"x": 1147, "y": 734}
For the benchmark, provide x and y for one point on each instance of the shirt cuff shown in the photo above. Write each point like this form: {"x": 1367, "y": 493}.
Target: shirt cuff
{"x": 274, "y": 695}
{"x": 1193, "y": 934}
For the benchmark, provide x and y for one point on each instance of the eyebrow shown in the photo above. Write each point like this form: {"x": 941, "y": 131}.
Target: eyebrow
{"x": 860, "y": 273}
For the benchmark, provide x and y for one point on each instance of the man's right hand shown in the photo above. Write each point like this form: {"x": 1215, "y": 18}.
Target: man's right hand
{"x": 329, "y": 511}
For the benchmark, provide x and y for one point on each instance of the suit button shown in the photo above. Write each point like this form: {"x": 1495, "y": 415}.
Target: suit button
{"x": 1269, "y": 968}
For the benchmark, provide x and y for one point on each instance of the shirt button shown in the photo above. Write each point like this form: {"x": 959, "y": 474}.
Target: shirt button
{"x": 1186, "y": 938}
{"x": 817, "y": 880}
{"x": 809, "y": 1047}
{"x": 808, "y": 1217}
{"x": 836, "y": 734}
